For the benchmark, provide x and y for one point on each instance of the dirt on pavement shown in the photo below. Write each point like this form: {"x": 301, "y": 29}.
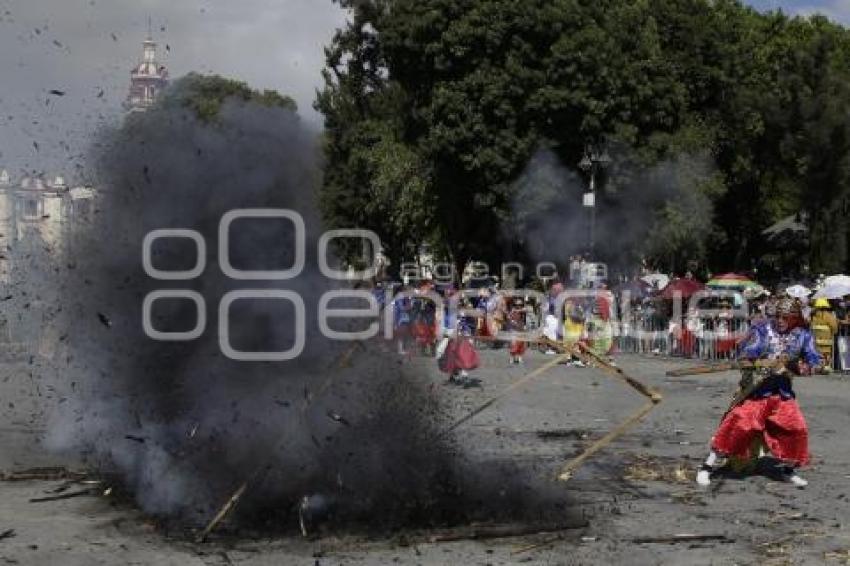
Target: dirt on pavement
{"x": 635, "y": 494}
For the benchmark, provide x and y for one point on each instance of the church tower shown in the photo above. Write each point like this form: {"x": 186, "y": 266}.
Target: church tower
{"x": 147, "y": 79}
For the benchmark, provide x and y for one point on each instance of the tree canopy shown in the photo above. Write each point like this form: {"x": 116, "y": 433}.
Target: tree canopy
{"x": 720, "y": 120}
{"x": 205, "y": 94}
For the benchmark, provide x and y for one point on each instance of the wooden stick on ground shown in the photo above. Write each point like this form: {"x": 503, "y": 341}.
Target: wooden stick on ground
{"x": 479, "y": 532}
{"x": 685, "y": 537}
{"x": 571, "y": 466}
{"x": 64, "y": 496}
{"x": 523, "y": 380}
{"x": 45, "y": 473}
{"x": 699, "y": 370}
{"x": 223, "y": 512}
{"x": 653, "y": 396}
{"x": 644, "y": 390}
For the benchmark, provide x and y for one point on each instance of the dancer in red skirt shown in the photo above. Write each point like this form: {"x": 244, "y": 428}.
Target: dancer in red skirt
{"x": 770, "y": 414}
{"x": 458, "y": 359}
{"x": 516, "y": 323}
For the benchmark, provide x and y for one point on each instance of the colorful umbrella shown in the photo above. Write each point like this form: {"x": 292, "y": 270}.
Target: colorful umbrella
{"x": 731, "y": 281}
{"x": 798, "y": 291}
{"x": 685, "y": 287}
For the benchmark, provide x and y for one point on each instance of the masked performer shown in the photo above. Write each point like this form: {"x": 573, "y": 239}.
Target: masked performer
{"x": 765, "y": 411}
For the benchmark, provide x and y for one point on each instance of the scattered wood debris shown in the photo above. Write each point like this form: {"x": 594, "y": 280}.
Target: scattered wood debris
{"x": 842, "y": 555}
{"x": 52, "y": 473}
{"x": 491, "y": 531}
{"x": 647, "y": 468}
{"x": 104, "y": 320}
{"x": 80, "y": 493}
{"x": 683, "y": 537}
{"x": 8, "y": 533}
{"x": 563, "y": 433}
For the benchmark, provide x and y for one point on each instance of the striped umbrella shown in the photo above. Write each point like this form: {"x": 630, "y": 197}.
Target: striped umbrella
{"x": 732, "y": 281}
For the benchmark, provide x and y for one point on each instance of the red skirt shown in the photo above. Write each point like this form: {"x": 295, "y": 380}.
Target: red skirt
{"x": 726, "y": 345}
{"x": 424, "y": 333}
{"x": 779, "y": 421}
{"x": 689, "y": 341}
{"x": 518, "y": 347}
{"x": 460, "y": 354}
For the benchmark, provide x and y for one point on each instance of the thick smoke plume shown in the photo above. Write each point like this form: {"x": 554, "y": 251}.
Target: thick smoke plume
{"x": 179, "y": 424}
{"x": 640, "y": 210}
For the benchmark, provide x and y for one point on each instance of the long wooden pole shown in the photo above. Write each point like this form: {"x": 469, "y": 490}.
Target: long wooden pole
{"x": 654, "y": 399}
{"x": 522, "y": 381}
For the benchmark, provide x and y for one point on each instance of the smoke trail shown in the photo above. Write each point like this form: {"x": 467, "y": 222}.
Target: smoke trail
{"x": 640, "y": 209}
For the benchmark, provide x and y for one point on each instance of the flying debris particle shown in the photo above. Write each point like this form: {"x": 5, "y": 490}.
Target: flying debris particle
{"x": 100, "y": 93}
{"x": 104, "y": 320}
{"x": 138, "y": 439}
{"x": 146, "y": 172}
{"x": 114, "y": 37}
{"x": 338, "y": 418}
{"x": 57, "y": 92}
{"x": 58, "y": 44}
{"x": 35, "y": 145}
{"x": 167, "y": 47}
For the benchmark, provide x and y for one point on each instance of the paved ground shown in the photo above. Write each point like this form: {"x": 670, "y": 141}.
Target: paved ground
{"x": 641, "y": 486}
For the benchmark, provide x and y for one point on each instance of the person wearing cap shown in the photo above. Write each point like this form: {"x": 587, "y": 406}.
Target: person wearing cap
{"x": 824, "y": 327}
{"x": 769, "y": 415}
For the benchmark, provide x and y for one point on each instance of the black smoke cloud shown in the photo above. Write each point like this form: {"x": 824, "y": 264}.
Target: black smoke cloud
{"x": 181, "y": 426}
{"x": 180, "y": 423}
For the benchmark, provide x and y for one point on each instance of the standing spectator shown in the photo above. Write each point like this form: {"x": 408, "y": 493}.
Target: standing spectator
{"x": 824, "y": 327}
{"x": 690, "y": 331}
{"x": 550, "y": 328}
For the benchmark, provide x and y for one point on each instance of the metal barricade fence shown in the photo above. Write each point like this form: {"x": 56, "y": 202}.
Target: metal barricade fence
{"x": 707, "y": 338}
{"x": 841, "y": 351}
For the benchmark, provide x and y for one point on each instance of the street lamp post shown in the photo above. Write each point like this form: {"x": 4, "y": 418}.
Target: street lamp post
{"x": 595, "y": 158}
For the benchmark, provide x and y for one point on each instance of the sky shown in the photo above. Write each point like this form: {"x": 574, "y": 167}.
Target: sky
{"x": 81, "y": 47}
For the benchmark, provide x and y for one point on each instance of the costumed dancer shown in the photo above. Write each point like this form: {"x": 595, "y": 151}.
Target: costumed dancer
{"x": 600, "y": 332}
{"x": 516, "y": 323}
{"x": 458, "y": 357}
{"x": 767, "y": 411}
{"x": 423, "y": 320}
{"x": 574, "y": 327}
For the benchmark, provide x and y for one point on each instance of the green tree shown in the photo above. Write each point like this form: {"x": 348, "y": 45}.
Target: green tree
{"x": 465, "y": 93}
